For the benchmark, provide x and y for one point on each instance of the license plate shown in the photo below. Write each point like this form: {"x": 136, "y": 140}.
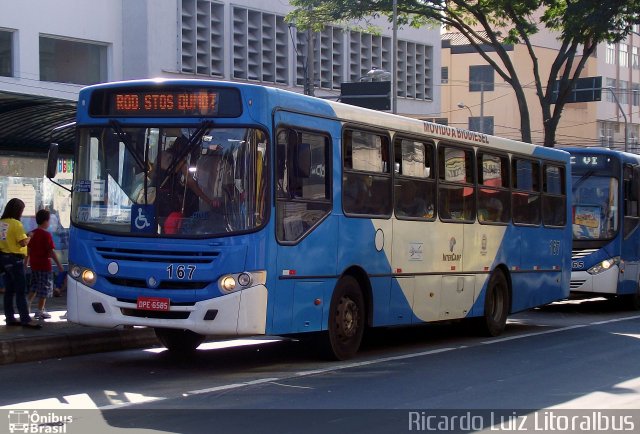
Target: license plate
{"x": 153, "y": 303}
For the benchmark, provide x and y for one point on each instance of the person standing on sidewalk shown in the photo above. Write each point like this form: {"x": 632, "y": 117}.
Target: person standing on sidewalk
{"x": 13, "y": 248}
{"x": 40, "y": 253}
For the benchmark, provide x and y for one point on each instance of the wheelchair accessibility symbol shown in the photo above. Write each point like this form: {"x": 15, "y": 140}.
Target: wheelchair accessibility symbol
{"x": 142, "y": 218}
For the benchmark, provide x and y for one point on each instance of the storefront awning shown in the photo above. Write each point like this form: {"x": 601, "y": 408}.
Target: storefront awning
{"x": 26, "y": 122}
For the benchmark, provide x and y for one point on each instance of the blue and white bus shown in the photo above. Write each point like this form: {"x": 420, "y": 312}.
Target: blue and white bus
{"x": 215, "y": 208}
{"x": 606, "y": 239}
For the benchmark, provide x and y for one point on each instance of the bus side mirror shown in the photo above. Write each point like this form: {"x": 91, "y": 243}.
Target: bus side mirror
{"x": 52, "y": 161}
{"x": 303, "y": 160}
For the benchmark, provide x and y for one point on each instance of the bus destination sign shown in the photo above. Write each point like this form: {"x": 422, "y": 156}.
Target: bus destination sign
{"x": 167, "y": 102}
{"x": 593, "y": 161}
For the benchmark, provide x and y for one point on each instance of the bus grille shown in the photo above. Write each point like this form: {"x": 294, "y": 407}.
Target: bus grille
{"x": 581, "y": 253}
{"x": 575, "y": 284}
{"x": 155, "y": 314}
{"x": 167, "y": 284}
{"x": 144, "y": 255}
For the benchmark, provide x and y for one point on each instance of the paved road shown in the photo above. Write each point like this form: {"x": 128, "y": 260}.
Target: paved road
{"x": 570, "y": 355}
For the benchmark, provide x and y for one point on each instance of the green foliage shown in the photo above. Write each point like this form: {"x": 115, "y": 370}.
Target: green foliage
{"x": 579, "y": 24}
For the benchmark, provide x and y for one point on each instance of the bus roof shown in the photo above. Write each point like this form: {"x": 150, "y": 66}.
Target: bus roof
{"x": 293, "y": 101}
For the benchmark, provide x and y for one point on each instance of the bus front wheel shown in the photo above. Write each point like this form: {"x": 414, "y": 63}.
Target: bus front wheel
{"x": 346, "y": 320}
{"x": 179, "y": 342}
{"x": 496, "y": 306}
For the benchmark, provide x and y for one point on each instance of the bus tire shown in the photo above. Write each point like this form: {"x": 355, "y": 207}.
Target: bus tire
{"x": 496, "y": 306}
{"x": 347, "y": 319}
{"x": 179, "y": 342}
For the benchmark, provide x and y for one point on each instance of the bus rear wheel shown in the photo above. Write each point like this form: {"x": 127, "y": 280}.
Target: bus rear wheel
{"x": 496, "y": 306}
{"x": 179, "y": 342}
{"x": 346, "y": 321}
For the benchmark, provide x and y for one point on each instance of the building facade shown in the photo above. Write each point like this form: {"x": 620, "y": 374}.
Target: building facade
{"x": 48, "y": 56}
{"x": 599, "y": 123}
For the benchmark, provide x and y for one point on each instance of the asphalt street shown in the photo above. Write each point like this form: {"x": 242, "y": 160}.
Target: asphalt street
{"x": 569, "y": 355}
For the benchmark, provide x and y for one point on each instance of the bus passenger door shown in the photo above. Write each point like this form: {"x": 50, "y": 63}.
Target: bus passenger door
{"x": 306, "y": 231}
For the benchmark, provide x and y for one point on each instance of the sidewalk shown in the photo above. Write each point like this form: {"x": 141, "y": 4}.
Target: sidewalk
{"x": 59, "y": 338}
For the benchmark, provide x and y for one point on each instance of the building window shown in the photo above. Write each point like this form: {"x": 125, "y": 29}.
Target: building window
{"x": 623, "y": 95}
{"x": 635, "y": 94}
{"x": 328, "y": 57}
{"x": 610, "y": 57}
{"x": 444, "y": 75}
{"x": 611, "y": 85}
{"x": 6, "y": 53}
{"x": 65, "y": 61}
{"x": 260, "y": 46}
{"x": 202, "y": 38}
{"x": 481, "y": 125}
{"x": 413, "y": 60}
{"x": 480, "y": 78}
{"x": 606, "y": 134}
{"x": 624, "y": 55}
{"x": 635, "y": 60}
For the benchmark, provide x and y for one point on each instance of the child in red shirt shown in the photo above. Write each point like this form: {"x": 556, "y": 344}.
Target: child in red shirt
{"x": 40, "y": 251}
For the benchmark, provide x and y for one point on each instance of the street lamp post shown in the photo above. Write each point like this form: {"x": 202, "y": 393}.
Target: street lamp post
{"x": 624, "y": 116}
{"x": 463, "y": 105}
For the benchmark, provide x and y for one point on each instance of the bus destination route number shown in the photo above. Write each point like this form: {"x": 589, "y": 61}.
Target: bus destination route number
{"x": 202, "y": 103}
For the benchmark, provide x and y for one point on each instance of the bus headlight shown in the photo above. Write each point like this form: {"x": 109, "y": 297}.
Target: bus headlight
{"x": 604, "y": 265}
{"x": 89, "y": 277}
{"x": 246, "y": 279}
{"x": 86, "y": 275}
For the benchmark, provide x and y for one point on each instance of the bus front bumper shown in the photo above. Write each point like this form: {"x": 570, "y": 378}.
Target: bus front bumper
{"x": 240, "y": 313}
{"x": 602, "y": 283}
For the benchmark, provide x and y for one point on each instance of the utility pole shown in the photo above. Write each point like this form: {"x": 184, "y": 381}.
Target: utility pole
{"x": 624, "y": 116}
{"x": 394, "y": 60}
{"x": 310, "y": 64}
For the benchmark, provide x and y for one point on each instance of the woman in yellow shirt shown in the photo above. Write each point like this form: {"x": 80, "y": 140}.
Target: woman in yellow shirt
{"x": 13, "y": 248}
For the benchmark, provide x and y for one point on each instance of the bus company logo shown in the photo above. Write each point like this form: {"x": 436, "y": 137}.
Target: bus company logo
{"x": 25, "y": 421}
{"x": 449, "y": 257}
{"x": 483, "y": 245}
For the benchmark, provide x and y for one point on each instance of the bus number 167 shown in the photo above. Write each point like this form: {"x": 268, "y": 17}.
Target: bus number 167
{"x": 181, "y": 271}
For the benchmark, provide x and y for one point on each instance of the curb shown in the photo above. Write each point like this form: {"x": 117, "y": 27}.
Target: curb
{"x": 38, "y": 348}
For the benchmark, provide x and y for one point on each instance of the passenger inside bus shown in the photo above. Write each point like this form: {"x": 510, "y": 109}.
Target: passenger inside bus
{"x": 179, "y": 188}
{"x": 408, "y": 204}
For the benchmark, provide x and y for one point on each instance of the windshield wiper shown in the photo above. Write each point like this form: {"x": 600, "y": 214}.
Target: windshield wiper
{"x": 193, "y": 141}
{"x": 122, "y": 136}
{"x": 583, "y": 178}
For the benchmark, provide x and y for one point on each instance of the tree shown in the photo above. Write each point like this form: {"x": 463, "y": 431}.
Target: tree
{"x": 580, "y": 25}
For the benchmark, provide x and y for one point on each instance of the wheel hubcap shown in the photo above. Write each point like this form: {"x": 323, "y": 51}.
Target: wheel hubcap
{"x": 347, "y": 318}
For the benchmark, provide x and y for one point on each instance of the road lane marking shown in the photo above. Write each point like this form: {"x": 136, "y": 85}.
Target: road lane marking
{"x": 378, "y": 361}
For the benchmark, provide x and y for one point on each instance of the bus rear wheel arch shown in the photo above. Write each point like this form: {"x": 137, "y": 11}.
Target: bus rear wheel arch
{"x": 179, "y": 342}
{"x": 347, "y": 319}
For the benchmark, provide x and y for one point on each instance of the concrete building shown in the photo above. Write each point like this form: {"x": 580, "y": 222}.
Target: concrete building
{"x": 584, "y": 124}
{"x": 50, "y": 49}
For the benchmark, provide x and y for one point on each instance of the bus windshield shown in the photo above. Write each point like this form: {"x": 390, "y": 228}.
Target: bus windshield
{"x": 170, "y": 181}
{"x": 595, "y": 207}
